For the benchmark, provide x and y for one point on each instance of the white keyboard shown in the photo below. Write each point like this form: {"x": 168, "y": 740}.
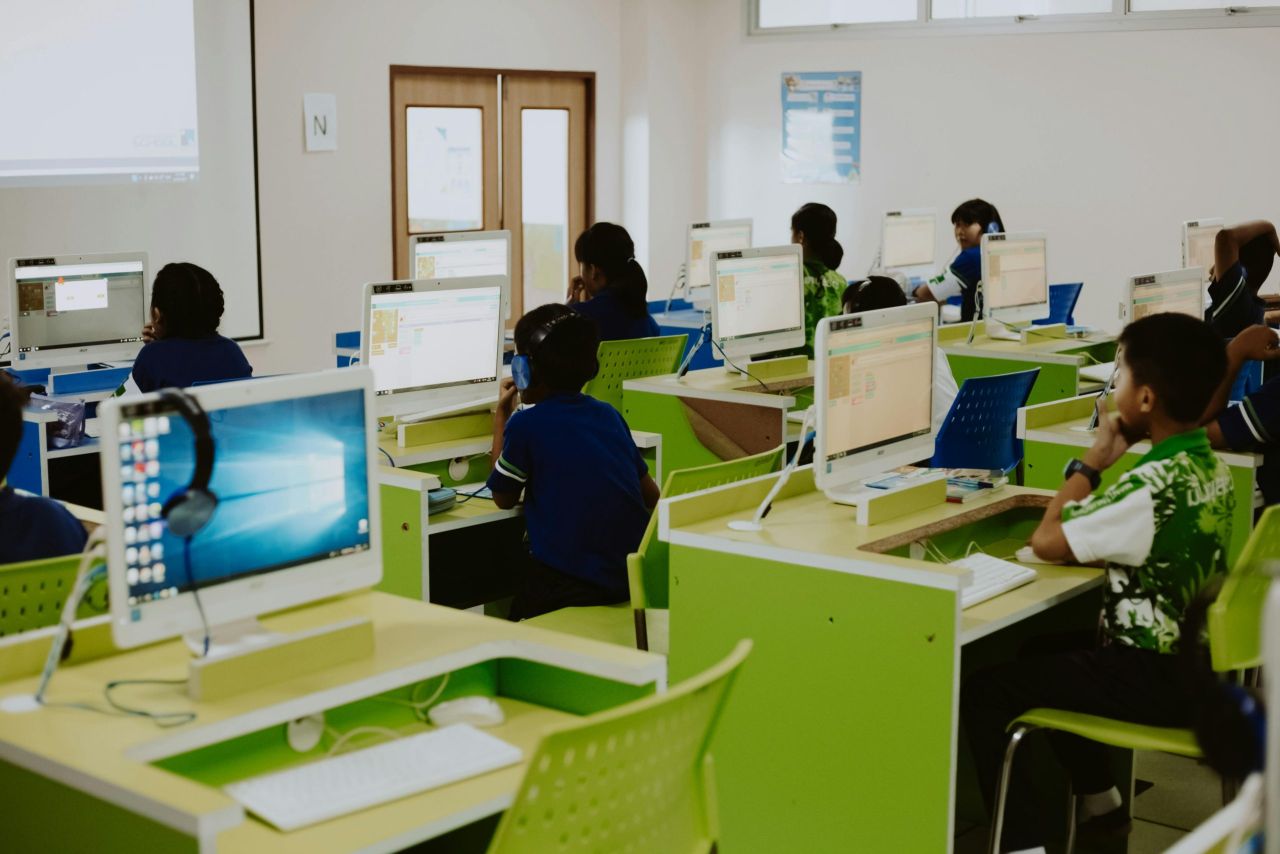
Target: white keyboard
{"x": 991, "y": 577}
{"x": 328, "y": 788}
{"x": 1098, "y": 373}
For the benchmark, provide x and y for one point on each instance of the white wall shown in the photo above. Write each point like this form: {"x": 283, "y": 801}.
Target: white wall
{"x": 326, "y": 218}
{"x": 1107, "y": 141}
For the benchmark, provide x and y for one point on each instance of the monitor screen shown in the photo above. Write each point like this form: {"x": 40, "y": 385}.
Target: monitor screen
{"x": 757, "y": 293}
{"x": 879, "y": 384}
{"x": 1182, "y": 291}
{"x": 291, "y": 478}
{"x": 909, "y": 239}
{"x": 1200, "y": 245}
{"x": 1014, "y": 271}
{"x": 431, "y": 339}
{"x": 67, "y": 306}
{"x": 439, "y": 258}
{"x": 708, "y": 238}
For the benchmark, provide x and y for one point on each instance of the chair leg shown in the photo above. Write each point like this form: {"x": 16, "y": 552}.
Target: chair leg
{"x": 642, "y": 629}
{"x": 1071, "y": 818}
{"x": 1002, "y": 787}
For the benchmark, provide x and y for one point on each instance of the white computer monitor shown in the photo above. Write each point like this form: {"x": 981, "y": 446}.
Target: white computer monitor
{"x": 704, "y": 241}
{"x": 433, "y": 344}
{"x": 758, "y": 300}
{"x": 1177, "y": 290}
{"x": 297, "y": 512}
{"x": 1015, "y": 276}
{"x": 909, "y": 239}
{"x": 873, "y": 389}
{"x": 1198, "y": 239}
{"x": 77, "y": 309}
{"x": 462, "y": 253}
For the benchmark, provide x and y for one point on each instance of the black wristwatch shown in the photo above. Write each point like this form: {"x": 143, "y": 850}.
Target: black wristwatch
{"x": 1077, "y": 466}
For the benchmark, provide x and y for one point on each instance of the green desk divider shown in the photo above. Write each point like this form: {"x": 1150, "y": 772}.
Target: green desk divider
{"x": 876, "y": 509}
{"x": 779, "y": 368}
{"x": 1039, "y": 333}
{"x": 445, "y": 429}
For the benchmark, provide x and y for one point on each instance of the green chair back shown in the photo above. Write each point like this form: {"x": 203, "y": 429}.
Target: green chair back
{"x": 32, "y": 594}
{"x": 647, "y": 567}
{"x": 1235, "y": 617}
{"x": 628, "y": 779}
{"x": 631, "y": 359}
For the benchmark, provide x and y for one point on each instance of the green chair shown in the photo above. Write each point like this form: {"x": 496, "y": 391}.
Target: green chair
{"x": 32, "y": 594}
{"x": 1235, "y": 643}
{"x": 647, "y": 567}
{"x": 631, "y": 359}
{"x": 634, "y": 778}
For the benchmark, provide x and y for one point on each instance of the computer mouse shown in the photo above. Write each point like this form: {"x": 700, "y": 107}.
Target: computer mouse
{"x": 1026, "y": 554}
{"x": 477, "y": 711}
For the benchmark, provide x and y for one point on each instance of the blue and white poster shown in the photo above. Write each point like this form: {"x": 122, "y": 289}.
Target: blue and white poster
{"x": 821, "y": 127}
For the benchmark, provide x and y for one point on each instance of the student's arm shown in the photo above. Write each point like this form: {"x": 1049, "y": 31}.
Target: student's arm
{"x": 923, "y": 294}
{"x": 1050, "y": 540}
{"x": 649, "y": 489}
{"x": 1226, "y": 248}
{"x": 505, "y": 499}
{"x": 1257, "y": 343}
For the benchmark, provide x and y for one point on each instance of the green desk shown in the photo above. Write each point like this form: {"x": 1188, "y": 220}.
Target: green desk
{"x": 78, "y": 781}
{"x": 1059, "y": 359}
{"x": 842, "y": 734}
{"x": 713, "y": 415}
{"x": 1055, "y": 433}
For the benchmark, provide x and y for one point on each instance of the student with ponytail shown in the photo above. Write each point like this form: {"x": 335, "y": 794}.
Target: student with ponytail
{"x": 971, "y": 219}
{"x": 611, "y": 287}
{"x": 813, "y": 226}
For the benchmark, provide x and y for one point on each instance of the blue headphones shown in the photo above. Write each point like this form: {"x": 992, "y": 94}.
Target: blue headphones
{"x": 522, "y": 363}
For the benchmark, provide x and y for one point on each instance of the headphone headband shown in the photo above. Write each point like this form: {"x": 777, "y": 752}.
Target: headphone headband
{"x": 190, "y": 509}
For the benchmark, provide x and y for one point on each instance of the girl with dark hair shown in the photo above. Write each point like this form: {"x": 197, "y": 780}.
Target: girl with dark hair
{"x": 611, "y": 287}
{"x": 813, "y": 226}
{"x": 184, "y": 345}
{"x": 971, "y": 219}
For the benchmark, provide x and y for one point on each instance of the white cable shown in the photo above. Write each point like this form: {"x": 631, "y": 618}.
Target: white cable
{"x": 754, "y": 524}
{"x": 94, "y": 549}
{"x": 419, "y": 706}
{"x": 681, "y": 276}
{"x": 356, "y": 733}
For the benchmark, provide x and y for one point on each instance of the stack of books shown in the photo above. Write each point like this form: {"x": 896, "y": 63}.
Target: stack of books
{"x": 962, "y": 484}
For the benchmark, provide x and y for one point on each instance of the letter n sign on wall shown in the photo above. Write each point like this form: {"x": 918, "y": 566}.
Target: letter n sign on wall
{"x": 320, "y": 121}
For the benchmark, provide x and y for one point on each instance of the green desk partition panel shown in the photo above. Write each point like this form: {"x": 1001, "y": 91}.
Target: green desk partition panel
{"x": 1056, "y": 381}
{"x": 666, "y": 415}
{"x": 838, "y": 736}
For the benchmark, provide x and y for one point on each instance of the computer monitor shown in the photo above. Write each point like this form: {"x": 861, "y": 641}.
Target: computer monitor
{"x": 873, "y": 388}
{"x": 297, "y": 512}
{"x": 1177, "y": 290}
{"x": 909, "y": 239}
{"x": 758, "y": 305}
{"x": 433, "y": 343}
{"x": 705, "y": 240}
{"x": 1015, "y": 277}
{"x": 76, "y": 309}
{"x": 1198, "y": 239}
{"x": 462, "y": 253}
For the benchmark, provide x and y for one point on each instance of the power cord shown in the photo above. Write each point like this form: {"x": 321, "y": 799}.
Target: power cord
{"x": 387, "y": 454}
{"x": 419, "y": 711}
{"x": 733, "y": 365}
{"x": 681, "y": 277}
{"x": 195, "y": 593}
{"x": 419, "y": 707}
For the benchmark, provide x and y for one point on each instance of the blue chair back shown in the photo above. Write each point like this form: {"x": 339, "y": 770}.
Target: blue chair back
{"x": 980, "y": 431}
{"x": 1247, "y": 381}
{"x": 1062, "y": 304}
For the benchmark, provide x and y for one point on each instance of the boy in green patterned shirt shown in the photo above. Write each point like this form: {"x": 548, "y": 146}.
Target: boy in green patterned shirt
{"x": 1162, "y": 531}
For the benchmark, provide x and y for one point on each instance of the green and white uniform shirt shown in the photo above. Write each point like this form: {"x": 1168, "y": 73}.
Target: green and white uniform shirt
{"x": 1163, "y": 530}
{"x": 823, "y": 290}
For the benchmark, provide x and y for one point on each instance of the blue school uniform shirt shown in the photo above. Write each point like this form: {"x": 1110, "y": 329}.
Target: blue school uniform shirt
{"x": 613, "y": 320}
{"x": 183, "y": 362}
{"x": 580, "y": 470}
{"x": 1254, "y": 425}
{"x": 1233, "y": 307}
{"x": 967, "y": 268}
{"x": 33, "y": 527}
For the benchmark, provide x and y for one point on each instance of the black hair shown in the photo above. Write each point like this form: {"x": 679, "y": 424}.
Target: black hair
{"x": 608, "y": 246}
{"x": 872, "y": 293}
{"x": 1224, "y": 716}
{"x": 977, "y": 211}
{"x": 13, "y": 399}
{"x": 817, "y": 223}
{"x": 189, "y": 300}
{"x": 565, "y": 358}
{"x": 1257, "y": 256}
{"x": 1179, "y": 356}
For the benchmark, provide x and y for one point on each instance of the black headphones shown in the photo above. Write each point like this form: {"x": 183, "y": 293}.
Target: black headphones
{"x": 189, "y": 509}
{"x": 522, "y": 364}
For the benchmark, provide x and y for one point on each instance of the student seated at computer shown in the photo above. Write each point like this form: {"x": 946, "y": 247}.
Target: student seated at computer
{"x": 31, "y": 527}
{"x": 877, "y": 292}
{"x": 611, "y": 287}
{"x": 587, "y": 491}
{"x": 1254, "y": 425}
{"x": 184, "y": 346}
{"x": 813, "y": 226}
{"x": 1242, "y": 260}
{"x": 1162, "y": 530}
{"x": 971, "y": 219}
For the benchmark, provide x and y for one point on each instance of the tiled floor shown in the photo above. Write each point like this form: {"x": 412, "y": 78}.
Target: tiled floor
{"x": 1184, "y": 794}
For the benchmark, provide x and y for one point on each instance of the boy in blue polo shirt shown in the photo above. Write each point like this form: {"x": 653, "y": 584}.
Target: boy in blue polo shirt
{"x": 971, "y": 220}
{"x": 587, "y": 491}
{"x": 1242, "y": 260}
{"x": 31, "y": 527}
{"x": 1254, "y": 425}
